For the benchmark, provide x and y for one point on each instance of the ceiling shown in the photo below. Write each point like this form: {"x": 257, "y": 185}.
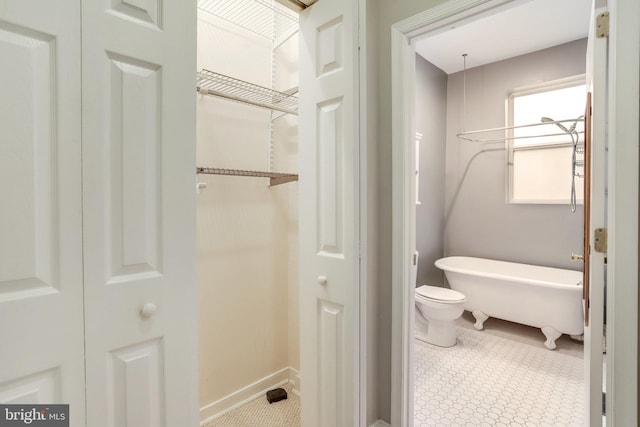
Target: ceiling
{"x": 528, "y": 26}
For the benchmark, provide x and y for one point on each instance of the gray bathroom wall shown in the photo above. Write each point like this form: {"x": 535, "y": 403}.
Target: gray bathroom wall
{"x": 478, "y": 222}
{"x": 430, "y": 119}
{"x": 390, "y": 12}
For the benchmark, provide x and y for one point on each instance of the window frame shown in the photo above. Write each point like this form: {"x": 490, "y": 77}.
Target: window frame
{"x": 510, "y": 149}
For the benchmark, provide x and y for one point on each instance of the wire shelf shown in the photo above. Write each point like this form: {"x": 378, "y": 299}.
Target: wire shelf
{"x": 263, "y": 17}
{"x": 211, "y": 83}
{"x": 274, "y": 177}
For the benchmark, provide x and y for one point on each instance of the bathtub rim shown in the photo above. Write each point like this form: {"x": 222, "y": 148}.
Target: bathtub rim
{"x": 516, "y": 279}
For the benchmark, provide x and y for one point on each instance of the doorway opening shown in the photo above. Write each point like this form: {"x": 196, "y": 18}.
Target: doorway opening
{"x": 464, "y": 206}
{"x": 247, "y": 158}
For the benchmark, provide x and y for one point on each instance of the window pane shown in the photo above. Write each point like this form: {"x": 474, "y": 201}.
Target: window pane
{"x": 544, "y": 175}
{"x": 558, "y": 104}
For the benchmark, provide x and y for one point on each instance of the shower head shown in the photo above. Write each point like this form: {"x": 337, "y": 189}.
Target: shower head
{"x": 571, "y": 129}
{"x": 560, "y": 125}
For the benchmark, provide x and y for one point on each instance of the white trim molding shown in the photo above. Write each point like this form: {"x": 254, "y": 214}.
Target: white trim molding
{"x": 402, "y": 309}
{"x": 622, "y": 266}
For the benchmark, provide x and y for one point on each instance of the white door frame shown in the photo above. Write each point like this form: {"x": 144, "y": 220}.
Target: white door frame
{"x": 365, "y": 244}
{"x": 622, "y": 301}
{"x": 622, "y": 267}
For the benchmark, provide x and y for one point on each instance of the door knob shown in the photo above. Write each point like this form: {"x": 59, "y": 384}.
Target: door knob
{"x": 148, "y": 310}
{"x": 322, "y": 280}
{"x": 576, "y": 257}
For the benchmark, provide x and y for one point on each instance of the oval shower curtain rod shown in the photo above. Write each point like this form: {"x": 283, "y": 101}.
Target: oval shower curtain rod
{"x": 466, "y": 135}
{"x": 544, "y": 121}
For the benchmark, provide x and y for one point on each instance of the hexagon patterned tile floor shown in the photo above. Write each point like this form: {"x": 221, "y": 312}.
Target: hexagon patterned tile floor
{"x": 490, "y": 381}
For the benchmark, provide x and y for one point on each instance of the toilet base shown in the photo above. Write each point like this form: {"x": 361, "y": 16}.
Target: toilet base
{"x": 437, "y": 332}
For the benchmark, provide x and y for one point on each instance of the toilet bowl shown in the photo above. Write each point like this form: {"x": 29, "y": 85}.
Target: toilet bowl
{"x": 436, "y": 312}
{"x": 437, "y": 309}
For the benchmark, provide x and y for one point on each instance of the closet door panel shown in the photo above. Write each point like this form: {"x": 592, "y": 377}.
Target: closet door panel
{"x": 27, "y": 258}
{"x": 134, "y": 174}
{"x": 328, "y": 197}
{"x": 139, "y": 212}
{"x": 137, "y": 371}
{"x": 146, "y": 11}
{"x": 330, "y": 167}
{"x": 41, "y": 307}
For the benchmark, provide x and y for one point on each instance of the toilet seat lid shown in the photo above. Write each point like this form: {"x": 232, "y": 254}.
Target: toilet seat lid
{"x": 439, "y": 294}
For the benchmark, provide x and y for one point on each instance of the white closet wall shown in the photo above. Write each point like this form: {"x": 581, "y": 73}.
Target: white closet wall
{"x": 247, "y": 231}
{"x": 286, "y": 159}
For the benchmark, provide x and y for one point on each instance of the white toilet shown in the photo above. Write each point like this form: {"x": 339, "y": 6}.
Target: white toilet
{"x": 437, "y": 309}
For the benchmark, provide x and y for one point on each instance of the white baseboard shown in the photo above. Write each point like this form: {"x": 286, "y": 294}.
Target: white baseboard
{"x": 380, "y": 423}
{"x": 246, "y": 394}
{"x": 294, "y": 380}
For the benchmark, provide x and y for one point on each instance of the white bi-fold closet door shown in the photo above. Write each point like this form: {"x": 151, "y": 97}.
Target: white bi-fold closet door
{"x": 329, "y": 215}
{"x": 41, "y": 284}
{"x": 139, "y": 212}
{"x": 97, "y": 253}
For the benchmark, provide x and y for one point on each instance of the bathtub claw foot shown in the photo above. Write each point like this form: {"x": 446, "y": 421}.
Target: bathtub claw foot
{"x": 552, "y": 335}
{"x": 480, "y": 319}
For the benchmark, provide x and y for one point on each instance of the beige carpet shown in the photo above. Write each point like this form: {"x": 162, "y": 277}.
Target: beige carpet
{"x": 259, "y": 413}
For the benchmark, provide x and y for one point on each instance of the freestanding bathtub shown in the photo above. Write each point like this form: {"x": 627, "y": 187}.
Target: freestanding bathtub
{"x": 542, "y": 297}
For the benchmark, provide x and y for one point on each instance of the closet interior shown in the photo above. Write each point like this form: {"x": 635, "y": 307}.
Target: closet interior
{"x": 247, "y": 78}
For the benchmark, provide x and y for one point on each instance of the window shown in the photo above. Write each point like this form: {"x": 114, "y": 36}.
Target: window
{"x": 540, "y": 168}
